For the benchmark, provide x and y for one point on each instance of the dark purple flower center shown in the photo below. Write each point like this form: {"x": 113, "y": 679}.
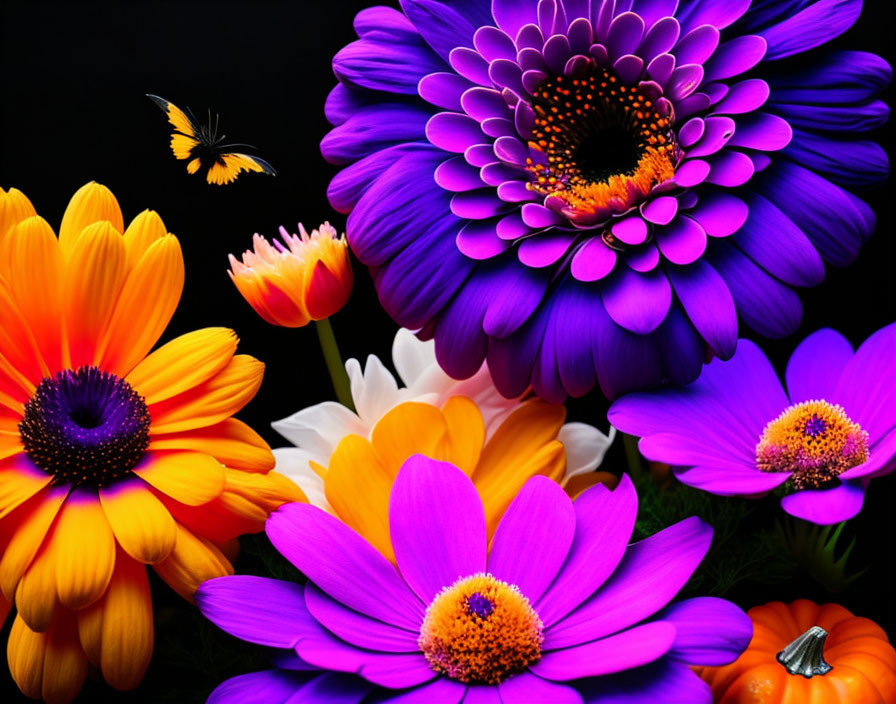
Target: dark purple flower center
{"x": 478, "y": 605}
{"x": 85, "y": 427}
{"x": 597, "y": 142}
{"x": 815, "y": 426}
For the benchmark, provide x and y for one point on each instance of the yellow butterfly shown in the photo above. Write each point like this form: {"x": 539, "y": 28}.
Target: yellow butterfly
{"x": 205, "y": 149}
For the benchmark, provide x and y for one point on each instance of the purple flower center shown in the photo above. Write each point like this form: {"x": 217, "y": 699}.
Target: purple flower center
{"x": 85, "y": 427}
{"x": 478, "y": 605}
{"x": 815, "y": 426}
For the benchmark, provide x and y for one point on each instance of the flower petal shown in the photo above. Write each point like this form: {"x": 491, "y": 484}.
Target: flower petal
{"x": 141, "y": 523}
{"x": 193, "y": 561}
{"x": 193, "y": 478}
{"x": 826, "y": 506}
{"x": 708, "y": 631}
{"x": 231, "y": 442}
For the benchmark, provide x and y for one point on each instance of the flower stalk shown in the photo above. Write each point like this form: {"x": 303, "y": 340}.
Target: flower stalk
{"x": 338, "y": 375}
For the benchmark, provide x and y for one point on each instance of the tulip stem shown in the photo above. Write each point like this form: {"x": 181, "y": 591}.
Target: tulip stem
{"x": 338, "y": 375}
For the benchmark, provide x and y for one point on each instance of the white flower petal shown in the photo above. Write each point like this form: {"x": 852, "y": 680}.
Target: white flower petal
{"x": 293, "y": 463}
{"x": 376, "y": 393}
{"x": 319, "y": 428}
{"x": 585, "y": 447}
{"x": 412, "y": 357}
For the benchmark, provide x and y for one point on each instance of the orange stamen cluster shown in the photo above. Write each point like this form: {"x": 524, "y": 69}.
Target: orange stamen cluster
{"x": 815, "y": 440}
{"x": 481, "y": 630}
{"x": 605, "y": 144}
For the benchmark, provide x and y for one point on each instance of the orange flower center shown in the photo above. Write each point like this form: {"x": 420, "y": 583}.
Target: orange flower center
{"x": 480, "y": 630}
{"x": 815, "y": 440}
{"x": 85, "y": 427}
{"x": 604, "y": 144}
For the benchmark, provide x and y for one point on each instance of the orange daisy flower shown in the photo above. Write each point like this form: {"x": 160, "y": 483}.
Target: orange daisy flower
{"x": 111, "y": 457}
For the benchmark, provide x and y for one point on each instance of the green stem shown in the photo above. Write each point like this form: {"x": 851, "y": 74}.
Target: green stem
{"x": 335, "y": 366}
{"x": 632, "y": 456}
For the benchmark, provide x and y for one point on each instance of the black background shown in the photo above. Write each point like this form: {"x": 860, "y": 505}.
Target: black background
{"x": 73, "y": 110}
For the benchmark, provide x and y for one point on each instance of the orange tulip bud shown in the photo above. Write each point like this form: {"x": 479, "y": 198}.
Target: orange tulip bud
{"x": 308, "y": 277}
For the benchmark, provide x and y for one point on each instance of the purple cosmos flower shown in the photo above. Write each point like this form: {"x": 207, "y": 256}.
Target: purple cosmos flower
{"x": 560, "y": 609}
{"x": 591, "y": 191}
{"x": 737, "y": 432}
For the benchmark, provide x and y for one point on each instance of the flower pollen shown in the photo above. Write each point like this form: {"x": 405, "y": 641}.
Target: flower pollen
{"x": 598, "y": 145}
{"x": 481, "y": 630}
{"x": 85, "y": 427}
{"x": 815, "y": 440}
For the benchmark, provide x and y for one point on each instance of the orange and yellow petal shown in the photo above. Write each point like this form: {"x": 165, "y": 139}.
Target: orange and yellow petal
{"x": 212, "y": 401}
{"x": 94, "y": 275}
{"x": 36, "y": 598}
{"x": 231, "y": 442}
{"x": 27, "y": 532}
{"x": 14, "y": 207}
{"x": 147, "y": 301}
{"x": 49, "y": 665}
{"x": 20, "y": 479}
{"x": 35, "y": 275}
{"x": 183, "y": 363}
{"x": 326, "y": 293}
{"x": 91, "y": 203}
{"x": 581, "y": 482}
{"x": 193, "y": 561}
{"x": 117, "y": 631}
{"x": 140, "y": 522}
{"x": 266, "y": 491}
{"x": 192, "y": 478}
{"x": 408, "y": 429}
{"x": 466, "y": 433}
{"x": 84, "y": 549}
{"x": 18, "y": 348}
{"x": 270, "y": 297}
{"x": 141, "y": 234}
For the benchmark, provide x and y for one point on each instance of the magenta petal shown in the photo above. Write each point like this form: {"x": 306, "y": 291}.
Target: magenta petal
{"x": 744, "y": 97}
{"x": 469, "y": 64}
{"x": 682, "y": 242}
{"x": 480, "y": 154}
{"x": 437, "y": 526}
{"x": 735, "y": 57}
{"x": 730, "y": 169}
{"x": 483, "y": 103}
{"x": 478, "y": 205}
{"x": 544, "y": 250}
{"x": 643, "y": 259}
{"x": 527, "y": 688}
{"x": 357, "y": 629}
{"x": 453, "y": 132}
{"x": 512, "y": 227}
{"x": 443, "y": 89}
{"x": 539, "y": 217}
{"x": 392, "y": 670}
{"x": 659, "y": 39}
{"x": 816, "y": 365}
{"x": 593, "y": 261}
{"x": 439, "y": 691}
{"x": 457, "y": 175}
{"x": 539, "y": 521}
{"x": 482, "y": 694}
{"x": 631, "y": 230}
{"x": 478, "y": 240}
{"x": 650, "y": 574}
{"x": 691, "y": 132}
{"x": 625, "y": 34}
{"x": 708, "y": 631}
{"x": 730, "y": 480}
{"x": 496, "y": 173}
{"x": 663, "y": 682}
{"x": 867, "y": 387}
{"x": 684, "y": 81}
{"x": 628, "y": 68}
{"x": 678, "y": 449}
{"x": 532, "y": 79}
{"x": 337, "y": 559}
{"x": 637, "y": 302}
{"x": 697, "y": 45}
{"x": 507, "y": 74}
{"x": 265, "y": 687}
{"x": 557, "y": 53}
{"x": 511, "y": 15}
{"x": 708, "y": 303}
{"x": 493, "y": 44}
{"x": 660, "y": 211}
{"x": 691, "y": 173}
{"x": 826, "y": 506}
{"x": 760, "y": 130}
{"x": 623, "y": 651}
{"x": 881, "y": 461}
{"x": 661, "y": 67}
{"x": 720, "y": 214}
{"x": 717, "y": 133}
{"x": 515, "y": 192}
{"x": 511, "y": 150}
{"x": 580, "y": 35}
{"x": 604, "y": 523}
{"x": 278, "y": 619}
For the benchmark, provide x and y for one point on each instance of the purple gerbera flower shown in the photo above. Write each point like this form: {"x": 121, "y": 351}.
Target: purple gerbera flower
{"x": 590, "y": 191}
{"x": 736, "y": 432}
{"x": 560, "y": 609}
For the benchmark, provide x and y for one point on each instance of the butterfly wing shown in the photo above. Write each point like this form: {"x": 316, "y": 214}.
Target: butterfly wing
{"x": 228, "y": 166}
{"x": 186, "y": 134}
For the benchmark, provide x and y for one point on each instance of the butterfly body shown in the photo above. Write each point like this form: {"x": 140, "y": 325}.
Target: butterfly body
{"x": 203, "y": 148}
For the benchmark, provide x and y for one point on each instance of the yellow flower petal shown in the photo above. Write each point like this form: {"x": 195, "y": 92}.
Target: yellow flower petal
{"x": 582, "y": 482}
{"x": 408, "y": 429}
{"x": 267, "y": 491}
{"x": 50, "y": 665}
{"x": 36, "y": 593}
{"x": 27, "y": 536}
{"x": 466, "y": 433}
{"x": 231, "y": 442}
{"x": 183, "y": 363}
{"x": 14, "y": 207}
{"x": 84, "y": 550}
{"x": 17, "y": 345}
{"x": 140, "y": 522}
{"x": 193, "y": 561}
{"x": 192, "y": 478}
{"x": 94, "y": 277}
{"x": 357, "y": 487}
{"x": 143, "y": 231}
{"x": 212, "y": 401}
{"x": 19, "y": 481}
{"x": 145, "y": 305}
{"x": 91, "y": 203}
{"x": 36, "y": 278}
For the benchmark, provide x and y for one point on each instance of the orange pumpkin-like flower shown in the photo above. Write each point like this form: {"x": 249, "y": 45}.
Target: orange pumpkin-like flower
{"x": 111, "y": 457}
{"x": 308, "y": 277}
{"x": 804, "y": 652}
